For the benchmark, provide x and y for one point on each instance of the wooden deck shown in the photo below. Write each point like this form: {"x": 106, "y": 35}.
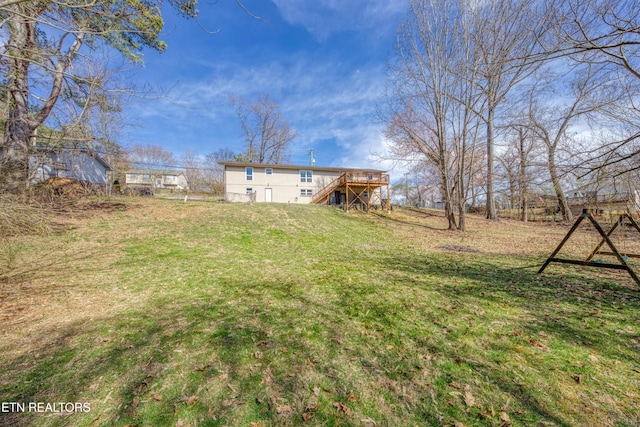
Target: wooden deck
{"x": 358, "y": 189}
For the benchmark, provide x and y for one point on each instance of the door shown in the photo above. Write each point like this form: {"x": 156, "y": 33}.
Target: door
{"x": 337, "y": 197}
{"x": 267, "y": 195}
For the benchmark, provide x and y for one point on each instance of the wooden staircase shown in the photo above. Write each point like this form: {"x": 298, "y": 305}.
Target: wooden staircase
{"x": 323, "y": 197}
{"x": 358, "y": 188}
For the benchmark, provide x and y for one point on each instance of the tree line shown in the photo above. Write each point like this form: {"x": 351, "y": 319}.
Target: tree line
{"x": 513, "y": 94}
{"x": 59, "y": 86}
{"x": 529, "y": 93}
{"x": 267, "y": 139}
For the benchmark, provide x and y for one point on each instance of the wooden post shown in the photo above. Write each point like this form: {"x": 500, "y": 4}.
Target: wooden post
{"x": 555, "y": 252}
{"x": 605, "y": 238}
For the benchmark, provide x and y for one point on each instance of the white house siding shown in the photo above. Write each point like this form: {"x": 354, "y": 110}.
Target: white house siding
{"x": 69, "y": 164}
{"x": 156, "y": 179}
{"x": 284, "y": 183}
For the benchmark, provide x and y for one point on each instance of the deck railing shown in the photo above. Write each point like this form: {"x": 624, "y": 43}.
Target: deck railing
{"x": 367, "y": 177}
{"x": 351, "y": 178}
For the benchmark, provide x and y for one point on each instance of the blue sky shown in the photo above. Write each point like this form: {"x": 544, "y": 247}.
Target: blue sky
{"x": 322, "y": 61}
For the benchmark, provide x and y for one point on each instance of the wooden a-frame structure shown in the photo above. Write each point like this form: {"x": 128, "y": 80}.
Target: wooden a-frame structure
{"x": 622, "y": 259}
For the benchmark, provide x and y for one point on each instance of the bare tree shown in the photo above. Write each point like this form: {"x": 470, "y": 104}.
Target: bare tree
{"x": 518, "y": 163}
{"x": 604, "y": 32}
{"x": 508, "y": 169}
{"x": 415, "y": 141}
{"x": 464, "y": 120}
{"x": 419, "y": 126}
{"x": 43, "y": 40}
{"x": 88, "y": 115}
{"x": 507, "y": 36}
{"x": 585, "y": 97}
{"x": 432, "y": 109}
{"x": 267, "y": 135}
{"x": 214, "y": 171}
{"x": 193, "y": 167}
{"x": 151, "y": 157}
{"x": 597, "y": 31}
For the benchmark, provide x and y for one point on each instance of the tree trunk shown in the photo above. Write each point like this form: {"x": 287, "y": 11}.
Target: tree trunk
{"x": 555, "y": 181}
{"x": 19, "y": 128}
{"x": 462, "y": 216}
{"x": 444, "y": 175}
{"x": 446, "y": 197}
{"x": 446, "y": 186}
{"x": 522, "y": 176}
{"x": 513, "y": 200}
{"x": 461, "y": 189}
{"x": 448, "y": 211}
{"x": 14, "y": 170}
{"x": 524, "y": 209}
{"x": 491, "y": 203}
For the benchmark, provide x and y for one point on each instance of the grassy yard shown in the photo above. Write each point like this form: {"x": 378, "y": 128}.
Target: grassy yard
{"x": 164, "y": 313}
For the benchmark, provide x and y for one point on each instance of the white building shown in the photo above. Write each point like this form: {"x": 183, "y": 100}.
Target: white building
{"x": 174, "y": 180}
{"x": 304, "y": 184}
{"x": 67, "y": 162}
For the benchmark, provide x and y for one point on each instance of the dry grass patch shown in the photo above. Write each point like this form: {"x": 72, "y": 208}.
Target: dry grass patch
{"x": 171, "y": 313}
{"x": 17, "y": 218}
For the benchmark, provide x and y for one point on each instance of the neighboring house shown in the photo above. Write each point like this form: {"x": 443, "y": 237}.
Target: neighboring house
{"x": 623, "y": 195}
{"x": 305, "y": 184}
{"x": 175, "y": 180}
{"x": 75, "y": 163}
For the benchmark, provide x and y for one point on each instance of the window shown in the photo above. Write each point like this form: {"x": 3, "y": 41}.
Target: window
{"x": 170, "y": 178}
{"x": 306, "y": 176}
{"x": 248, "y": 174}
{"x": 146, "y": 176}
{"x": 134, "y": 177}
{"x": 249, "y": 191}
{"x": 306, "y": 192}
{"x": 268, "y": 171}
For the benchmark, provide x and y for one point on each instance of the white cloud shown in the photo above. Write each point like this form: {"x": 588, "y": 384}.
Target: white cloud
{"x": 325, "y": 102}
{"x": 321, "y": 18}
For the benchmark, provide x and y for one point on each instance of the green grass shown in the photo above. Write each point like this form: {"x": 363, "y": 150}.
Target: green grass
{"x": 202, "y": 314}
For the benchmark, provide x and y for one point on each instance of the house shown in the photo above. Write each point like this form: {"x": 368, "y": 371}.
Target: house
{"x": 67, "y": 162}
{"x": 80, "y": 164}
{"x": 153, "y": 179}
{"x": 614, "y": 196}
{"x": 347, "y": 187}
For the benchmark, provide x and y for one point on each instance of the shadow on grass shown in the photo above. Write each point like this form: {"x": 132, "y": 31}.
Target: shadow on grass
{"x": 200, "y": 358}
{"x": 268, "y": 350}
{"x": 41, "y": 269}
{"x": 582, "y": 316}
{"x": 67, "y": 364}
{"x": 415, "y": 212}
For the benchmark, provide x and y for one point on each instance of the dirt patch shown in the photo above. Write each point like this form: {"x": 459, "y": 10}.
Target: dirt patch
{"x": 456, "y": 248}
{"x": 99, "y": 206}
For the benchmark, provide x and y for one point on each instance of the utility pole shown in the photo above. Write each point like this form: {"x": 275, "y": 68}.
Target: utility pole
{"x": 312, "y": 161}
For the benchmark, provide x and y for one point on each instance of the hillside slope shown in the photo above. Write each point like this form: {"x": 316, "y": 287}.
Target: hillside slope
{"x": 169, "y": 313}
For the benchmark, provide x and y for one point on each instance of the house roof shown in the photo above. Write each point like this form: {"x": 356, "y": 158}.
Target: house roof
{"x": 49, "y": 149}
{"x": 89, "y": 153}
{"x": 298, "y": 167}
{"x": 155, "y": 172}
